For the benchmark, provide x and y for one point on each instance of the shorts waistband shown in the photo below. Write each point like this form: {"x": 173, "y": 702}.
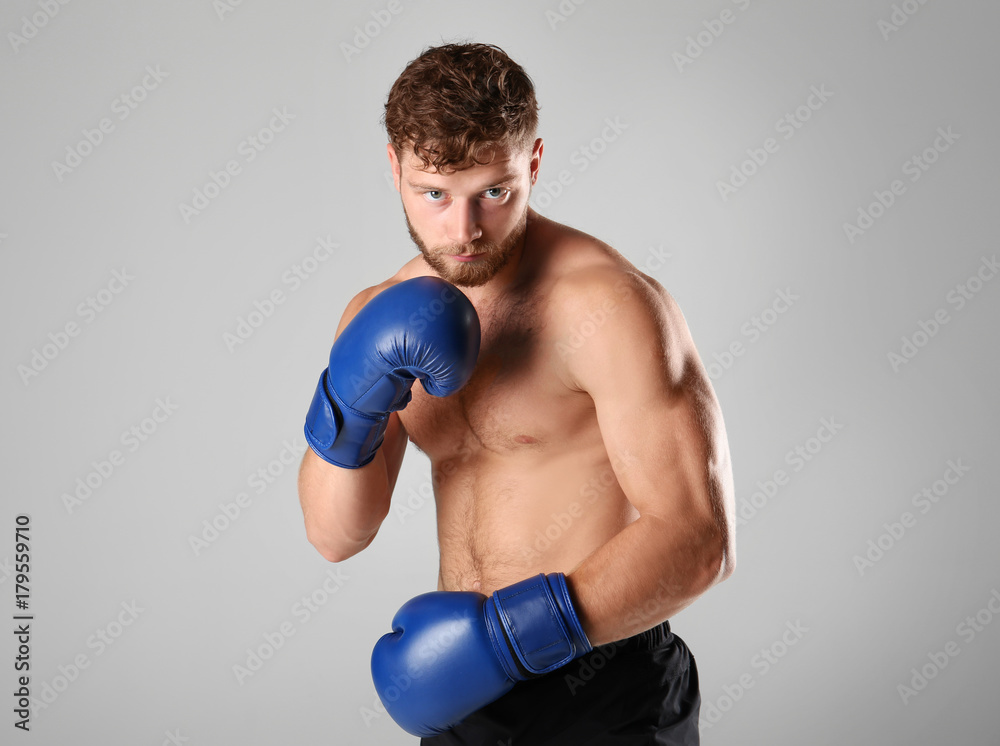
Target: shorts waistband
{"x": 652, "y": 638}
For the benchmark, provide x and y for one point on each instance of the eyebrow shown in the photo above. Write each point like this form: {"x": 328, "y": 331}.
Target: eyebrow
{"x": 506, "y": 178}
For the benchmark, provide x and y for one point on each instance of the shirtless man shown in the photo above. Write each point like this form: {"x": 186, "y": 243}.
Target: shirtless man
{"x": 579, "y": 459}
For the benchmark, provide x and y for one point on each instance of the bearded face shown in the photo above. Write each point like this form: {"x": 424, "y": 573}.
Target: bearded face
{"x": 468, "y": 223}
{"x": 485, "y": 257}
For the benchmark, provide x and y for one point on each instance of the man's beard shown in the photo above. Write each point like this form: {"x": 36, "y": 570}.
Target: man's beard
{"x": 478, "y": 272}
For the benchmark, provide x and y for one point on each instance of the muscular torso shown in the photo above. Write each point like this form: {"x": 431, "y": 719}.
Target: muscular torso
{"x": 522, "y": 481}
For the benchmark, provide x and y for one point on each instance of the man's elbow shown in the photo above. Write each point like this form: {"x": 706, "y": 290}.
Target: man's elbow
{"x": 335, "y": 551}
{"x": 728, "y": 564}
{"x": 334, "y": 554}
{"x": 720, "y": 558}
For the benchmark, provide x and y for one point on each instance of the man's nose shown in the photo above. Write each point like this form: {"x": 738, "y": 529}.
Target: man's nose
{"x": 463, "y": 224}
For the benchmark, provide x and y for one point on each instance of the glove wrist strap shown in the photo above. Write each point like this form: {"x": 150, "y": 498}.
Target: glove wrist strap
{"x": 338, "y": 433}
{"x": 534, "y": 626}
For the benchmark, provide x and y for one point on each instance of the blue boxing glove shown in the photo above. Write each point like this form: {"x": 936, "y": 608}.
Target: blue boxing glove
{"x": 420, "y": 328}
{"x": 453, "y": 652}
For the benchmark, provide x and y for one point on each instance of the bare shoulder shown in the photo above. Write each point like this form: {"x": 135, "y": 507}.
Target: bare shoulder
{"x": 359, "y": 301}
{"x": 573, "y": 257}
{"x": 413, "y": 268}
{"x": 601, "y": 305}
{"x": 587, "y": 274}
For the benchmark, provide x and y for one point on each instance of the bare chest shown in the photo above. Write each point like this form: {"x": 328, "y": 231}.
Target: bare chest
{"x": 515, "y": 401}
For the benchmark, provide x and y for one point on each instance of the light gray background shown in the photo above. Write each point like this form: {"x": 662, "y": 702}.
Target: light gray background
{"x": 652, "y": 193}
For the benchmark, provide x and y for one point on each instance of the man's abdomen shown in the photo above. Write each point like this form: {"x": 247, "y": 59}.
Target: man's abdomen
{"x": 502, "y": 518}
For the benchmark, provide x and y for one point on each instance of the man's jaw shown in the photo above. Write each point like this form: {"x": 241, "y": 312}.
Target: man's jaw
{"x": 471, "y": 268}
{"x": 473, "y": 264}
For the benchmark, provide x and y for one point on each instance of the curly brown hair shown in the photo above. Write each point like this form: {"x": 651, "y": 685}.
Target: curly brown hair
{"x": 455, "y": 105}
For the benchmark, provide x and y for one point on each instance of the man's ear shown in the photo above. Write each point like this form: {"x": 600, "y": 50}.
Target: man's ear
{"x": 536, "y": 159}
{"x": 394, "y": 164}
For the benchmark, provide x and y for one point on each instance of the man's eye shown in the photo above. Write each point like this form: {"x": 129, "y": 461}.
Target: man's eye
{"x": 434, "y": 195}
{"x": 495, "y": 192}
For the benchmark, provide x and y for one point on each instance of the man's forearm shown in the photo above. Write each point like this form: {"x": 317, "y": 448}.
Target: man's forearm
{"x": 647, "y": 573}
{"x": 343, "y": 508}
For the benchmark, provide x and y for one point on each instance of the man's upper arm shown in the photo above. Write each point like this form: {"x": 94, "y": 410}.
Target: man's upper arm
{"x": 355, "y": 304}
{"x": 658, "y": 415}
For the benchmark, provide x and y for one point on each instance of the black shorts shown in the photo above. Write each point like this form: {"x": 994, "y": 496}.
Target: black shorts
{"x": 641, "y": 690}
